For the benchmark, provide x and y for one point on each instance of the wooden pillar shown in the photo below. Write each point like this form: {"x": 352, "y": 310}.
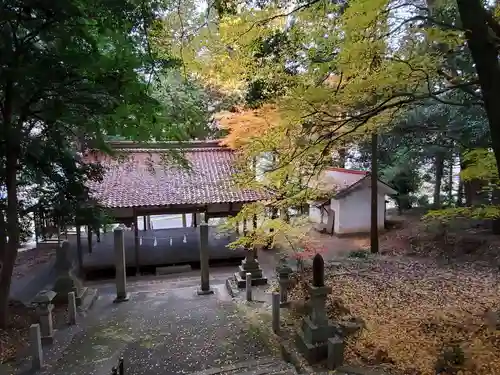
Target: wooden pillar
{"x": 254, "y": 222}
{"x": 184, "y": 221}
{"x": 244, "y": 227}
{"x": 195, "y": 224}
{"x": 204, "y": 261}
{"x": 150, "y": 227}
{"x": 206, "y": 217}
{"x": 145, "y": 222}
{"x": 89, "y": 239}
{"x": 79, "y": 251}
{"x": 136, "y": 246}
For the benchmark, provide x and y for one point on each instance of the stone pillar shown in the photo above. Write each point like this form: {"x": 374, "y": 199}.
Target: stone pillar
{"x": 248, "y": 286}
{"x": 276, "y": 312}
{"x": 66, "y": 280}
{"x": 284, "y": 273}
{"x": 36, "y": 347}
{"x": 312, "y": 338}
{"x": 204, "y": 257}
{"x": 43, "y": 306}
{"x": 120, "y": 266}
{"x": 250, "y": 265}
{"x": 184, "y": 221}
{"x": 335, "y": 352}
{"x": 71, "y": 308}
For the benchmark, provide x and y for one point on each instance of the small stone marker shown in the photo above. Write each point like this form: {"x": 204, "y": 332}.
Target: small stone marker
{"x": 71, "y": 308}
{"x": 249, "y": 286}
{"x": 205, "y": 270}
{"x": 318, "y": 271}
{"x": 121, "y": 276}
{"x": 312, "y": 337}
{"x": 44, "y": 306}
{"x": 276, "y": 312}
{"x": 335, "y": 352}
{"x": 284, "y": 273}
{"x": 36, "y": 347}
{"x": 66, "y": 279}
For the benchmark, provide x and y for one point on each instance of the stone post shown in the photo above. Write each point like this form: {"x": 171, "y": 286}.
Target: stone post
{"x": 43, "y": 306}
{"x": 249, "y": 286}
{"x": 276, "y": 312}
{"x": 284, "y": 273}
{"x": 335, "y": 352}
{"x": 205, "y": 271}
{"x": 120, "y": 267}
{"x": 71, "y": 308}
{"x": 312, "y": 338}
{"x": 36, "y": 347}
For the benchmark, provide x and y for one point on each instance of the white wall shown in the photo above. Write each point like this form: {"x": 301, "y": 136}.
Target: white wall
{"x": 315, "y": 214}
{"x": 354, "y": 212}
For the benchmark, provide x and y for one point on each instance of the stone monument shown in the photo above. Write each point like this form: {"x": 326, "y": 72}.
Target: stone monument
{"x": 43, "y": 306}
{"x": 250, "y": 265}
{"x": 312, "y": 337}
{"x": 66, "y": 280}
{"x": 283, "y": 271}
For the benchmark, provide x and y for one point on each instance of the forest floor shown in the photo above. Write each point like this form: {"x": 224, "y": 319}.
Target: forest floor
{"x": 21, "y": 317}
{"x": 426, "y": 299}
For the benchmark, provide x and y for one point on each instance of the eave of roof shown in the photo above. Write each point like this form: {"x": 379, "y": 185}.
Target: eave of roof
{"x": 351, "y": 188}
{"x": 143, "y": 181}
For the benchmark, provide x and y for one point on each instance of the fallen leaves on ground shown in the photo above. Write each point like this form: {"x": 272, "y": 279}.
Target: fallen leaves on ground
{"x": 414, "y": 310}
{"x": 15, "y": 339}
{"x": 28, "y": 260}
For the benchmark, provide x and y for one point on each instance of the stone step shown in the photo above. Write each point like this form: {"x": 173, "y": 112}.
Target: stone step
{"x": 262, "y": 366}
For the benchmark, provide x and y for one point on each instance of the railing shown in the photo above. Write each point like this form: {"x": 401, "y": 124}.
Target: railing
{"x": 120, "y": 370}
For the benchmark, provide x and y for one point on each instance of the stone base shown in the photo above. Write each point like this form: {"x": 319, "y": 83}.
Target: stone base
{"x": 47, "y": 340}
{"x": 315, "y": 334}
{"x": 66, "y": 284}
{"x": 204, "y": 292}
{"x": 242, "y": 282}
{"x": 313, "y": 353}
{"x": 232, "y": 287}
{"x": 121, "y": 299}
{"x": 312, "y": 340}
{"x": 87, "y": 299}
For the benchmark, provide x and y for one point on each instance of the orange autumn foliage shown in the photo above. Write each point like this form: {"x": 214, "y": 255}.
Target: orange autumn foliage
{"x": 246, "y": 125}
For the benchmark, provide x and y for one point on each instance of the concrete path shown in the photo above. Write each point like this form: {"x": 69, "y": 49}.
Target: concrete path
{"x": 165, "y": 328}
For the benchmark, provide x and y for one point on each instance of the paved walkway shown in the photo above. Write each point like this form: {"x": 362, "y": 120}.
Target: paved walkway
{"x": 165, "y": 328}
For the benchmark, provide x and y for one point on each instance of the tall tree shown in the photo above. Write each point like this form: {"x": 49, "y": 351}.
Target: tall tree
{"x": 73, "y": 73}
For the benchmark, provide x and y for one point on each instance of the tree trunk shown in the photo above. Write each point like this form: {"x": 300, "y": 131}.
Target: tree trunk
{"x": 10, "y": 247}
{"x": 450, "y": 181}
{"x": 439, "y": 166}
{"x": 374, "y": 197}
{"x": 12, "y": 225}
{"x": 484, "y": 51}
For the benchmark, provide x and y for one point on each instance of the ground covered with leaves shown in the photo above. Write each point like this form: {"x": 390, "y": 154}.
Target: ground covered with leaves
{"x": 15, "y": 338}
{"x": 420, "y": 316}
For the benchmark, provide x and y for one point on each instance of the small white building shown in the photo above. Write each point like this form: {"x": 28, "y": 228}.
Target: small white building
{"x": 349, "y": 209}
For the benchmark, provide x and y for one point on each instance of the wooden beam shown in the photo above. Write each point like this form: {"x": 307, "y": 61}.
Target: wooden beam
{"x": 136, "y": 246}
{"x": 79, "y": 250}
{"x": 89, "y": 239}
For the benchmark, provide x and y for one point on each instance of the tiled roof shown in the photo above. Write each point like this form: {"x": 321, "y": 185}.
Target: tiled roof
{"x": 143, "y": 177}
